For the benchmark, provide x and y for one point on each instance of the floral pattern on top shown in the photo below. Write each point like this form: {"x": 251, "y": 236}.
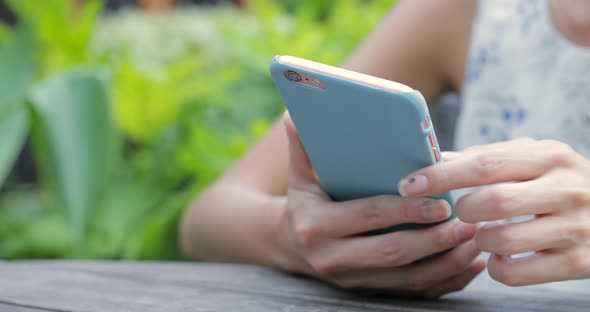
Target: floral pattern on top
{"x": 523, "y": 79}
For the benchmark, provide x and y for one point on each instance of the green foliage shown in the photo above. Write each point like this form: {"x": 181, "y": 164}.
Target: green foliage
{"x": 132, "y": 114}
{"x": 61, "y": 29}
{"x": 15, "y": 77}
{"x": 15, "y": 122}
{"x": 75, "y": 139}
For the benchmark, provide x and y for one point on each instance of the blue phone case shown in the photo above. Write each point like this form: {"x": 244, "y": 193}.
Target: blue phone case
{"x": 361, "y": 139}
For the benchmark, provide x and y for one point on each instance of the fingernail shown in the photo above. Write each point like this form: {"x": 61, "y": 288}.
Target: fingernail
{"x": 412, "y": 185}
{"x": 431, "y": 209}
{"x": 465, "y": 231}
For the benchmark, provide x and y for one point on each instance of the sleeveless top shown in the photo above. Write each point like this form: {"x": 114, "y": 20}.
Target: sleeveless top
{"x": 523, "y": 79}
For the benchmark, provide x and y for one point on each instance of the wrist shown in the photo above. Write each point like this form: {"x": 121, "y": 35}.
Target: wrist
{"x": 282, "y": 253}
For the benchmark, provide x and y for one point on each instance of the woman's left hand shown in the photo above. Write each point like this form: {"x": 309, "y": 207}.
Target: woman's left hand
{"x": 552, "y": 182}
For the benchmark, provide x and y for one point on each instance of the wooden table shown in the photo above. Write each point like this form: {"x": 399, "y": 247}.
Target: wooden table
{"x": 125, "y": 286}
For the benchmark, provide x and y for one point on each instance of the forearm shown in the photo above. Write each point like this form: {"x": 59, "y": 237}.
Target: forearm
{"x": 232, "y": 222}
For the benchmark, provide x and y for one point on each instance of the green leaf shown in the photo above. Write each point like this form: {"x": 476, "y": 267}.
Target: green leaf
{"x": 62, "y": 29}
{"x": 131, "y": 199}
{"x": 15, "y": 78}
{"x": 44, "y": 237}
{"x": 19, "y": 206}
{"x": 157, "y": 238}
{"x": 16, "y": 62}
{"x": 74, "y": 140}
{"x": 14, "y": 127}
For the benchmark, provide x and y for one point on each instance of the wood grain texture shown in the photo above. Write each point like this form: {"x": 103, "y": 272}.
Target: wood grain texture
{"x": 144, "y": 286}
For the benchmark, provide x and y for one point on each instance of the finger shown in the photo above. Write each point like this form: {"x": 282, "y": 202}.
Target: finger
{"x": 458, "y": 282}
{"x": 542, "y": 267}
{"x": 415, "y": 277}
{"x": 511, "y": 200}
{"x": 340, "y": 219}
{"x": 300, "y": 170}
{"x": 450, "y": 156}
{"x": 486, "y": 166}
{"x": 547, "y": 232}
{"x": 391, "y": 250}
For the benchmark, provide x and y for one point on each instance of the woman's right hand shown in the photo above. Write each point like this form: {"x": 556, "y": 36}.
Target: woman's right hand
{"x": 324, "y": 238}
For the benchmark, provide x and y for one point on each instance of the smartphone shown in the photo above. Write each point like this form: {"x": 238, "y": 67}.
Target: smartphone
{"x": 362, "y": 133}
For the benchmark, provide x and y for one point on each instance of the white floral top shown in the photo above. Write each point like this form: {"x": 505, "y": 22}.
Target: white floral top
{"x": 524, "y": 79}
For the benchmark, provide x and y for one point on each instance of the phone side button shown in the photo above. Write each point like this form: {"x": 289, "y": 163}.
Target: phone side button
{"x": 431, "y": 139}
{"x": 433, "y": 147}
{"x": 436, "y": 154}
{"x": 426, "y": 123}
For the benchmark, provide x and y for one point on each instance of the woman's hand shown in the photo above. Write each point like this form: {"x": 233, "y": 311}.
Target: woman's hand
{"x": 552, "y": 182}
{"x": 324, "y": 238}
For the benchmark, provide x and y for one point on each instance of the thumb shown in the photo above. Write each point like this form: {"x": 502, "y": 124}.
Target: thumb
{"x": 300, "y": 170}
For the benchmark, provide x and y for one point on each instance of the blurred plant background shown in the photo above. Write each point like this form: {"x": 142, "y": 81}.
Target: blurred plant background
{"x": 129, "y": 114}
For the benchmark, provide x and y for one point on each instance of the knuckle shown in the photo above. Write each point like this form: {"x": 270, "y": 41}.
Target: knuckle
{"x": 487, "y": 165}
{"x": 409, "y": 209}
{"x": 501, "y": 202}
{"x": 322, "y": 266}
{"x": 300, "y": 202}
{"x": 576, "y": 232}
{"x": 579, "y": 197}
{"x": 576, "y": 264}
{"x": 562, "y": 154}
{"x": 443, "y": 237}
{"x": 391, "y": 250}
{"x": 307, "y": 233}
{"x": 372, "y": 212}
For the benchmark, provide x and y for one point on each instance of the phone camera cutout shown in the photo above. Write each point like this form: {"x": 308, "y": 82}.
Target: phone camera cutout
{"x": 292, "y": 76}
{"x": 305, "y": 79}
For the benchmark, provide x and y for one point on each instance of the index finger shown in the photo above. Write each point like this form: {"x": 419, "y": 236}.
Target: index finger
{"x": 481, "y": 166}
{"x": 340, "y": 219}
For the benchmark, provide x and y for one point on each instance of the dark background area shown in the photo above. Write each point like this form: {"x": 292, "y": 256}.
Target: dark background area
{"x": 5, "y": 14}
